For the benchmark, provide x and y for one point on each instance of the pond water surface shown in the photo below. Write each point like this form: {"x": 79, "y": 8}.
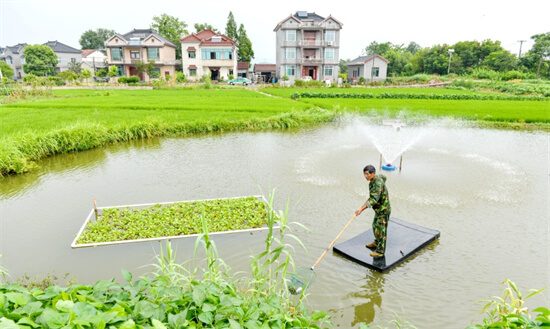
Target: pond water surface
{"x": 486, "y": 191}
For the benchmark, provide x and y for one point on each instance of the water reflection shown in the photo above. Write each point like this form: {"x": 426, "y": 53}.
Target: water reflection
{"x": 371, "y": 293}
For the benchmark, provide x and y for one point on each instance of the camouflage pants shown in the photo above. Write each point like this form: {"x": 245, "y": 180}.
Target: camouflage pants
{"x": 380, "y": 229}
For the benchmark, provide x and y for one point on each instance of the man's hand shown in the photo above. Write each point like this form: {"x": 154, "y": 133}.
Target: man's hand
{"x": 360, "y": 210}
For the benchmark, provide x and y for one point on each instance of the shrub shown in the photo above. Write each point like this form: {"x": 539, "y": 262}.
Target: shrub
{"x": 122, "y": 80}
{"x": 29, "y": 78}
{"x": 180, "y": 77}
{"x": 101, "y": 73}
{"x": 132, "y": 79}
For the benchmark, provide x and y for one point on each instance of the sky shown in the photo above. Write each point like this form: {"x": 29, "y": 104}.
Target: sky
{"x": 425, "y": 22}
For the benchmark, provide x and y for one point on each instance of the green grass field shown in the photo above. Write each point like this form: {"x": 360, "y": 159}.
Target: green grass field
{"x": 75, "y": 120}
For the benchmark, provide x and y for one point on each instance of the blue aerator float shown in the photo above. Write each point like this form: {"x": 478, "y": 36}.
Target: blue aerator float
{"x": 388, "y": 167}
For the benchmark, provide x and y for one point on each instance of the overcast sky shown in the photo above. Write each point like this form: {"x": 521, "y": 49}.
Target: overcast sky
{"x": 425, "y": 22}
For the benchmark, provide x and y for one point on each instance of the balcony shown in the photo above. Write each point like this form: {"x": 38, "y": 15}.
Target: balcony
{"x": 311, "y": 43}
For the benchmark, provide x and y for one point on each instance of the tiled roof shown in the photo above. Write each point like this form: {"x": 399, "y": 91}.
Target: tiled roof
{"x": 17, "y": 48}
{"x": 205, "y": 37}
{"x": 59, "y": 47}
{"x": 363, "y": 59}
{"x": 192, "y": 66}
{"x": 243, "y": 65}
{"x": 143, "y": 34}
{"x": 86, "y": 52}
{"x": 265, "y": 67}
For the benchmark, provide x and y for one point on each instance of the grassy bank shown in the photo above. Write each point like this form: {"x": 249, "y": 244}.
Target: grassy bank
{"x": 76, "y": 120}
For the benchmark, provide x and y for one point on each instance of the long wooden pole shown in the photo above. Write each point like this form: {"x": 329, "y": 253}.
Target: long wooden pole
{"x": 333, "y": 241}
{"x": 400, "y": 162}
{"x": 380, "y": 167}
{"x": 95, "y": 209}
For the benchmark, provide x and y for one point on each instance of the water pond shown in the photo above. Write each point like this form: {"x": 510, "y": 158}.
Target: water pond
{"x": 486, "y": 191}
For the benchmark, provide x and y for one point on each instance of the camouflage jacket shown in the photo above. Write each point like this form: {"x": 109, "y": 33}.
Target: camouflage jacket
{"x": 379, "y": 198}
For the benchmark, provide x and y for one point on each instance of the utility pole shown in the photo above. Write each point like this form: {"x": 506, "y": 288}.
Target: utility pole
{"x": 520, "y": 44}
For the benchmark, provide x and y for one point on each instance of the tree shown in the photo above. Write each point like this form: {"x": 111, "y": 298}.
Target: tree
{"x": 231, "y": 27}
{"x": 148, "y": 68}
{"x": 7, "y": 70}
{"x": 205, "y": 26}
{"x": 501, "y": 60}
{"x": 75, "y": 67}
{"x": 378, "y": 48}
{"x": 342, "y": 65}
{"x": 171, "y": 28}
{"x": 86, "y": 74}
{"x": 113, "y": 71}
{"x": 245, "y": 52}
{"x": 95, "y": 39}
{"x": 541, "y": 49}
{"x": 413, "y": 47}
{"x": 40, "y": 60}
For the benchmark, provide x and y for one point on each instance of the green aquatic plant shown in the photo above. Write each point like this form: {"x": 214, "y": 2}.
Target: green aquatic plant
{"x": 177, "y": 219}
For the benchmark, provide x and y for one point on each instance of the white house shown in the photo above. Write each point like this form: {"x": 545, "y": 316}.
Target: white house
{"x": 93, "y": 60}
{"x": 372, "y": 68}
{"x": 207, "y": 52}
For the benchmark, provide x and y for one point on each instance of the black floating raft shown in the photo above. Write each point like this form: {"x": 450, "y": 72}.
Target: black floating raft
{"x": 404, "y": 240}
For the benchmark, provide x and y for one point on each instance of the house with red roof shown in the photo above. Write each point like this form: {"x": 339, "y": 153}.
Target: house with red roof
{"x": 208, "y": 52}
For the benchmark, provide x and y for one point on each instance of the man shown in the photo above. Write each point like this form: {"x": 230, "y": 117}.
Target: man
{"x": 379, "y": 201}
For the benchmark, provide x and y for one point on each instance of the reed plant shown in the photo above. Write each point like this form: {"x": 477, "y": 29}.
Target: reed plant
{"x": 510, "y": 310}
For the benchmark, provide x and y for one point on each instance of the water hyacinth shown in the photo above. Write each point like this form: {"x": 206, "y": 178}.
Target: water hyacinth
{"x": 177, "y": 219}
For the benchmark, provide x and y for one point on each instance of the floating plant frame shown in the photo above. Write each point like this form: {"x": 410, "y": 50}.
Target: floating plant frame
{"x": 97, "y": 212}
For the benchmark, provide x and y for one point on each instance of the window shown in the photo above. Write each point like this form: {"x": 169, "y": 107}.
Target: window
{"x": 290, "y": 70}
{"x": 193, "y": 72}
{"x": 23, "y": 60}
{"x": 329, "y": 53}
{"x": 330, "y": 35}
{"x": 153, "y": 53}
{"x": 327, "y": 70}
{"x": 58, "y": 59}
{"x": 290, "y": 53}
{"x": 134, "y": 54}
{"x": 290, "y": 35}
{"x": 375, "y": 71}
{"x": 214, "y": 53}
{"x": 116, "y": 54}
{"x": 9, "y": 60}
{"x": 192, "y": 54}
{"x": 119, "y": 71}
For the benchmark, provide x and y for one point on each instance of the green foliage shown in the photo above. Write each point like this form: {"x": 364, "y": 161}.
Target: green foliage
{"x": 7, "y": 70}
{"x": 231, "y": 27}
{"x": 86, "y": 74}
{"x": 485, "y": 97}
{"x": 207, "y": 81}
{"x": 102, "y": 73}
{"x": 205, "y": 26}
{"x": 40, "y": 60}
{"x": 68, "y": 75}
{"x": 181, "y": 218}
{"x": 245, "y": 52}
{"x": 171, "y": 28}
{"x": 180, "y": 77}
{"x": 113, "y": 71}
{"x": 95, "y": 39}
{"x": 509, "y": 311}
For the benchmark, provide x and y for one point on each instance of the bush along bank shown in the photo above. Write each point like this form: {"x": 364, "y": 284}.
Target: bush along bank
{"x": 19, "y": 153}
{"x": 417, "y": 96}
